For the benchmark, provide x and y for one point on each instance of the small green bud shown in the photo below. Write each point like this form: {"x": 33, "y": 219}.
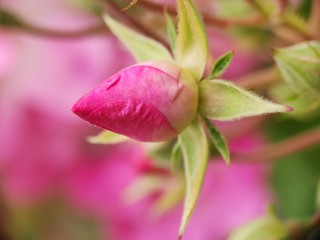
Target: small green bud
{"x": 300, "y": 66}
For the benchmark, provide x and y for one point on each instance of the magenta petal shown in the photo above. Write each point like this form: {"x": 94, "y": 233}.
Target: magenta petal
{"x": 135, "y": 119}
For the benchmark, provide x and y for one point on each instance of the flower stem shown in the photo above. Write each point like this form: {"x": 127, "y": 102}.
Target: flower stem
{"x": 136, "y": 24}
{"x": 49, "y": 33}
{"x": 275, "y": 151}
{"x": 260, "y": 78}
{"x": 210, "y": 20}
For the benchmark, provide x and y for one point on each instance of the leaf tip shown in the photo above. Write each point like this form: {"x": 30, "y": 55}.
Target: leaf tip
{"x": 288, "y": 109}
{"x": 228, "y": 162}
{"x": 284, "y": 108}
{"x": 92, "y": 140}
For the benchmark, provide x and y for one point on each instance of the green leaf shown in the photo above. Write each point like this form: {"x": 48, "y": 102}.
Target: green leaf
{"x": 300, "y": 66}
{"x": 218, "y": 141}
{"x": 294, "y": 178}
{"x": 223, "y": 100}
{"x": 266, "y": 8}
{"x": 141, "y": 47}
{"x": 171, "y": 197}
{"x": 265, "y": 228}
{"x": 195, "y": 152}
{"x": 295, "y": 21}
{"x": 192, "y": 44}
{"x": 304, "y": 8}
{"x": 221, "y": 64}
{"x": 171, "y": 29}
{"x": 176, "y": 157}
{"x": 107, "y": 137}
{"x": 142, "y": 187}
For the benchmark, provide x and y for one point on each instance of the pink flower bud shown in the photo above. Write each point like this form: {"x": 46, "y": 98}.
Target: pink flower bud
{"x": 153, "y": 101}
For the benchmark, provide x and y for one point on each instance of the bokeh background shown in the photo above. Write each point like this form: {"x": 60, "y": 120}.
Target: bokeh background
{"x": 54, "y": 185}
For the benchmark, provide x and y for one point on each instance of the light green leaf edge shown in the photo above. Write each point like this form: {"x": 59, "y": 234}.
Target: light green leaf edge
{"x": 195, "y": 150}
{"x": 169, "y": 199}
{"x": 218, "y": 141}
{"x": 171, "y": 30}
{"x": 293, "y": 19}
{"x": 191, "y": 50}
{"x": 107, "y": 137}
{"x": 221, "y": 65}
{"x": 142, "y": 48}
{"x": 141, "y": 188}
{"x": 264, "y": 228}
{"x": 225, "y": 101}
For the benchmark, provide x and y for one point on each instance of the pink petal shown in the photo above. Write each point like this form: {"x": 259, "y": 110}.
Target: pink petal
{"x": 133, "y": 102}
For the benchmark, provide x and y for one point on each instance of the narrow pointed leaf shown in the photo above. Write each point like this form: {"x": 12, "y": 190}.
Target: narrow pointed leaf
{"x": 176, "y": 157}
{"x": 169, "y": 199}
{"x": 142, "y": 187}
{"x": 264, "y": 228}
{"x": 218, "y": 141}
{"x": 223, "y": 100}
{"x": 221, "y": 65}
{"x": 192, "y": 44}
{"x": 171, "y": 29}
{"x": 295, "y": 20}
{"x": 107, "y": 137}
{"x": 194, "y": 147}
{"x": 141, "y": 47}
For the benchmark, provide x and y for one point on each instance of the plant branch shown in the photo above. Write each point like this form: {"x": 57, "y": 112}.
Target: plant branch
{"x": 137, "y": 25}
{"x": 260, "y": 78}
{"x": 81, "y": 33}
{"x": 272, "y": 152}
{"x": 301, "y": 231}
{"x": 210, "y": 20}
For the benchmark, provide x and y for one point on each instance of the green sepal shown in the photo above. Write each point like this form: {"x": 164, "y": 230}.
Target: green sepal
{"x": 221, "y": 65}
{"x": 107, "y": 137}
{"x": 171, "y": 30}
{"x": 195, "y": 150}
{"x": 176, "y": 157}
{"x": 295, "y": 20}
{"x": 225, "y": 101}
{"x": 141, "y": 47}
{"x": 171, "y": 197}
{"x": 300, "y": 66}
{"x": 266, "y": 8}
{"x": 264, "y": 228}
{"x": 218, "y": 141}
{"x": 142, "y": 187}
{"x": 191, "y": 50}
